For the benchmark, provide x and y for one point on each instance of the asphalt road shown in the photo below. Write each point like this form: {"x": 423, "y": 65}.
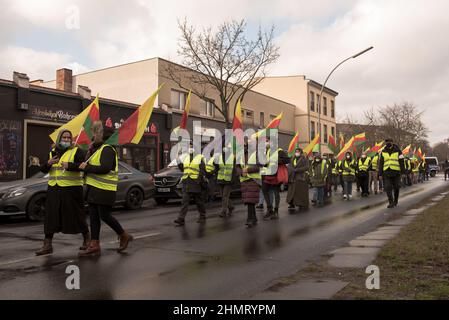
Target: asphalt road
{"x": 219, "y": 260}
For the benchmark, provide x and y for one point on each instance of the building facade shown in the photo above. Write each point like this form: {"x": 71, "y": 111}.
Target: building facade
{"x": 310, "y": 119}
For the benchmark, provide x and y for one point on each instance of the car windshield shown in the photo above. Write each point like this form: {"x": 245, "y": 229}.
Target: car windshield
{"x": 431, "y": 161}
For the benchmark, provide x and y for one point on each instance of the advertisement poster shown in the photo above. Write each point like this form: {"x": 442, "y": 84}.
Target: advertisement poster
{"x": 10, "y": 148}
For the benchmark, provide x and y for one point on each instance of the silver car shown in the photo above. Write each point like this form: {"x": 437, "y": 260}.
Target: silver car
{"x": 27, "y": 197}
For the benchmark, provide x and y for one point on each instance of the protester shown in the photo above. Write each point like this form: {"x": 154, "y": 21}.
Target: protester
{"x": 298, "y": 187}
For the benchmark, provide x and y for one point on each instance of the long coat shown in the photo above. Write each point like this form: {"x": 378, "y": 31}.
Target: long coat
{"x": 64, "y": 206}
{"x": 250, "y": 188}
{"x": 298, "y": 187}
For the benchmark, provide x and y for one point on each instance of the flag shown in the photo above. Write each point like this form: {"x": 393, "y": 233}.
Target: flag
{"x": 309, "y": 148}
{"x": 316, "y": 148}
{"x": 84, "y": 119}
{"x": 237, "y": 123}
{"x": 293, "y": 145}
{"x": 371, "y": 152}
{"x": 406, "y": 150}
{"x": 332, "y": 145}
{"x": 274, "y": 124}
{"x": 133, "y": 128}
{"x": 185, "y": 114}
{"x": 359, "y": 139}
{"x": 342, "y": 141}
{"x": 419, "y": 154}
{"x": 347, "y": 147}
{"x": 85, "y": 136}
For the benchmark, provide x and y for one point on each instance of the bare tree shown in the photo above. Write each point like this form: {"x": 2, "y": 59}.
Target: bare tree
{"x": 224, "y": 60}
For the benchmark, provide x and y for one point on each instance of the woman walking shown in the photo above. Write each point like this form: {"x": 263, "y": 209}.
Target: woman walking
{"x": 101, "y": 171}
{"x": 64, "y": 206}
{"x": 250, "y": 181}
{"x": 298, "y": 187}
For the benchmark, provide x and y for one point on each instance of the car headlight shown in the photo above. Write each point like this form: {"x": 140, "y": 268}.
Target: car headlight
{"x": 14, "y": 193}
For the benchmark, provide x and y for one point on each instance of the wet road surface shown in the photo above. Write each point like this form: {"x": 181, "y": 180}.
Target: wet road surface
{"x": 219, "y": 260}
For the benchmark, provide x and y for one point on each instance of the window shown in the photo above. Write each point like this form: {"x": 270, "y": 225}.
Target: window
{"x": 178, "y": 99}
{"x": 272, "y": 117}
{"x": 312, "y": 130}
{"x": 262, "y": 120}
{"x": 325, "y": 133}
{"x": 333, "y": 132}
{"x": 332, "y": 109}
{"x": 318, "y": 103}
{"x": 248, "y": 116}
{"x": 208, "y": 108}
{"x": 325, "y": 106}
{"x": 312, "y": 101}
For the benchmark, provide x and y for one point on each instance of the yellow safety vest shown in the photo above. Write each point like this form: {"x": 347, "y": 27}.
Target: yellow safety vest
{"x": 350, "y": 166}
{"x": 192, "y": 169}
{"x": 225, "y": 169}
{"x": 407, "y": 164}
{"x": 391, "y": 161}
{"x": 375, "y": 162}
{"x": 340, "y": 166}
{"x": 210, "y": 165}
{"x": 272, "y": 165}
{"x": 364, "y": 166}
{"x": 107, "y": 181}
{"x": 255, "y": 175}
{"x": 415, "y": 167}
{"x": 323, "y": 165}
{"x": 65, "y": 178}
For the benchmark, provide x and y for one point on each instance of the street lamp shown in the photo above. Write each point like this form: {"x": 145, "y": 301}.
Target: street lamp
{"x": 324, "y": 84}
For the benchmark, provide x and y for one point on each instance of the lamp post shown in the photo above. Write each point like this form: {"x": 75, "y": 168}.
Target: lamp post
{"x": 324, "y": 84}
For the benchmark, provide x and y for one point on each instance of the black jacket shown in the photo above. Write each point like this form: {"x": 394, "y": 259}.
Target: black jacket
{"x": 107, "y": 163}
{"x": 190, "y": 185}
{"x": 391, "y": 173}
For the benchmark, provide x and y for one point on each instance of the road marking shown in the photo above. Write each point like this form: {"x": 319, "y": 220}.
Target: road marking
{"x": 141, "y": 236}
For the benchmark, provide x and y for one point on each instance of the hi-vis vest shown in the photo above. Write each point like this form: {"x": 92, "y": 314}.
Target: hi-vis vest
{"x": 226, "y": 168}
{"x": 210, "y": 165}
{"x": 364, "y": 166}
{"x": 407, "y": 164}
{"x": 192, "y": 169}
{"x": 251, "y": 161}
{"x": 107, "y": 181}
{"x": 272, "y": 161}
{"x": 65, "y": 178}
{"x": 340, "y": 166}
{"x": 375, "y": 162}
{"x": 350, "y": 166}
{"x": 391, "y": 161}
{"x": 415, "y": 167}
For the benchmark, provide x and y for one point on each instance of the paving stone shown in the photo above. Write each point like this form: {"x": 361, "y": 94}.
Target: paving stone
{"x": 367, "y": 243}
{"x": 376, "y": 237}
{"x": 351, "y": 260}
{"x": 305, "y": 289}
{"x": 402, "y": 221}
{"x": 414, "y": 212}
{"x": 355, "y": 250}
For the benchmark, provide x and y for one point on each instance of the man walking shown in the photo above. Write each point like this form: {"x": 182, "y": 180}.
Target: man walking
{"x": 362, "y": 173}
{"x": 390, "y": 168}
{"x": 374, "y": 174}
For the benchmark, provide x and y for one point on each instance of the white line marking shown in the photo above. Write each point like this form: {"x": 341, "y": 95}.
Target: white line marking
{"x": 141, "y": 236}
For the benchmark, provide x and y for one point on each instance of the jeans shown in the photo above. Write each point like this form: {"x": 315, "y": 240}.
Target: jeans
{"x": 319, "y": 195}
{"x": 100, "y": 212}
{"x": 269, "y": 189}
{"x": 347, "y": 188}
{"x": 262, "y": 198}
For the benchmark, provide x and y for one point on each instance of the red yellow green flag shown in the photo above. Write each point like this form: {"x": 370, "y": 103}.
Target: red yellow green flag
{"x": 293, "y": 144}
{"x": 185, "y": 114}
{"x": 419, "y": 154}
{"x": 309, "y": 148}
{"x": 84, "y": 119}
{"x": 406, "y": 150}
{"x": 332, "y": 144}
{"x": 133, "y": 128}
{"x": 347, "y": 147}
{"x": 274, "y": 124}
{"x": 359, "y": 139}
{"x": 342, "y": 141}
{"x": 237, "y": 123}
{"x": 375, "y": 149}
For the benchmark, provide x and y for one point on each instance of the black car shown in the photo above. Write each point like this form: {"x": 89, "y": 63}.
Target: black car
{"x": 27, "y": 197}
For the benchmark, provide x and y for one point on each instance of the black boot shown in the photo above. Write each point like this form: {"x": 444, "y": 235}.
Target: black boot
{"x": 269, "y": 214}
{"x": 47, "y": 248}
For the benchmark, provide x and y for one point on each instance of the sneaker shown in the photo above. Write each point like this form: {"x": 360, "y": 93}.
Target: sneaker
{"x": 179, "y": 222}
{"x": 350, "y": 197}
{"x": 345, "y": 197}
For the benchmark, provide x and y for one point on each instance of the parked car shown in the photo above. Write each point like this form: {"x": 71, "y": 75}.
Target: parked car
{"x": 27, "y": 197}
{"x": 434, "y": 167}
{"x": 168, "y": 184}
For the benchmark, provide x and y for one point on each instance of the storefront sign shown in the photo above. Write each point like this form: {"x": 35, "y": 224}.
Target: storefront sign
{"x": 151, "y": 128}
{"x": 43, "y": 113}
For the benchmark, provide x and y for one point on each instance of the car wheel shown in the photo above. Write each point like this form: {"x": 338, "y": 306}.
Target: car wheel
{"x": 36, "y": 208}
{"x": 161, "y": 201}
{"x": 134, "y": 198}
{"x": 432, "y": 173}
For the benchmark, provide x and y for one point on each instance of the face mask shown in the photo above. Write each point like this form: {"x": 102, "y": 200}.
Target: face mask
{"x": 348, "y": 157}
{"x": 317, "y": 160}
{"x": 363, "y": 157}
{"x": 64, "y": 144}
{"x": 297, "y": 154}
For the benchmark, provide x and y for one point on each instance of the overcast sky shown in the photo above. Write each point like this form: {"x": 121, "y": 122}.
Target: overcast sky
{"x": 408, "y": 62}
